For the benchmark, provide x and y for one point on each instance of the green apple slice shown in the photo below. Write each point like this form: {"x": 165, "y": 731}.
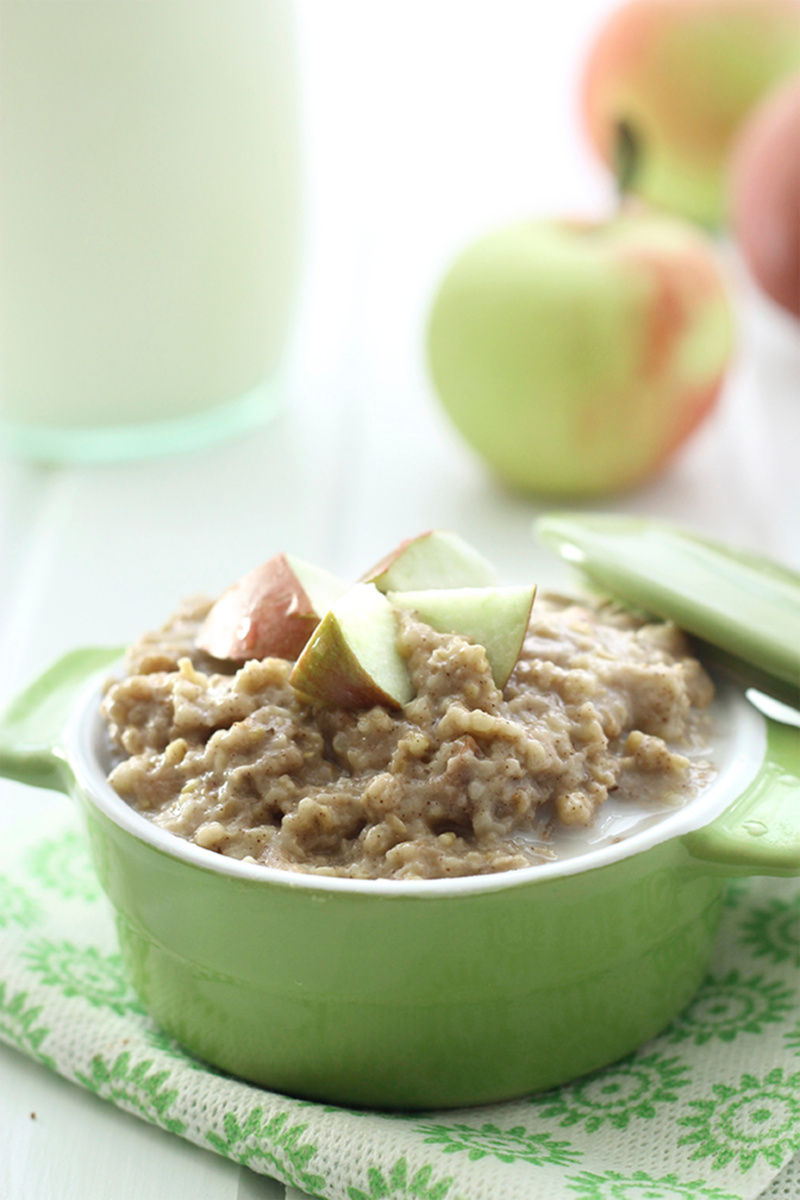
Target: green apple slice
{"x": 436, "y": 559}
{"x": 271, "y": 611}
{"x": 351, "y": 660}
{"x": 495, "y": 618}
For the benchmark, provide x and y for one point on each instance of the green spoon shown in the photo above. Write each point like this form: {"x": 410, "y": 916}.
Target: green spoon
{"x": 745, "y": 609}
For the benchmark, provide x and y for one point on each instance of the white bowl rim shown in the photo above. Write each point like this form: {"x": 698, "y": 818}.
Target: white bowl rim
{"x": 748, "y": 741}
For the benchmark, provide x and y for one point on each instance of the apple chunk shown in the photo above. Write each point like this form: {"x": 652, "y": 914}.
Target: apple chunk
{"x": 495, "y": 618}
{"x": 352, "y": 659}
{"x": 436, "y": 559}
{"x": 271, "y": 611}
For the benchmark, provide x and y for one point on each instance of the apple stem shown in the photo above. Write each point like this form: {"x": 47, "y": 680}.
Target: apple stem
{"x": 627, "y": 155}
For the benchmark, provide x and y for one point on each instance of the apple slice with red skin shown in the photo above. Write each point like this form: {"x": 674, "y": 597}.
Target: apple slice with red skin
{"x": 436, "y": 559}
{"x": 270, "y": 612}
{"x": 351, "y": 659}
{"x": 495, "y": 618}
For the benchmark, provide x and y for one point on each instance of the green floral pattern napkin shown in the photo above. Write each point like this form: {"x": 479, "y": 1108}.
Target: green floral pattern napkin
{"x": 710, "y": 1109}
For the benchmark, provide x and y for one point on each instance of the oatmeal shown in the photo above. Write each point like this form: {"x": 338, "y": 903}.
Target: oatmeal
{"x": 463, "y": 779}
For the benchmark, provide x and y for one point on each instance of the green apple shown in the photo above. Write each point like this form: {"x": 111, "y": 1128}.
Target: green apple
{"x": 351, "y": 659}
{"x": 495, "y": 618}
{"x": 431, "y": 560}
{"x": 668, "y": 84}
{"x": 271, "y": 611}
{"x": 576, "y": 357}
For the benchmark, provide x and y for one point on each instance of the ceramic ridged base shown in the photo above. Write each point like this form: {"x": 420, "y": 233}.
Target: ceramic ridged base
{"x": 116, "y": 443}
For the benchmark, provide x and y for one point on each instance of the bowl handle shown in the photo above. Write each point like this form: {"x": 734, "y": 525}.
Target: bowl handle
{"x": 759, "y": 834}
{"x": 32, "y": 728}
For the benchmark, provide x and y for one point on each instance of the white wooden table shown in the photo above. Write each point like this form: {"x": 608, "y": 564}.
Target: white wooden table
{"x": 427, "y": 123}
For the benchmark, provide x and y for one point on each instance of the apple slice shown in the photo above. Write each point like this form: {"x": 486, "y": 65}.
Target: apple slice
{"x": 271, "y": 611}
{"x": 436, "y": 559}
{"x": 352, "y": 659}
{"x": 495, "y": 618}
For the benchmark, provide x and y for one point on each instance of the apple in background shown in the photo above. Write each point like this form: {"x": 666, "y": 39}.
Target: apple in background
{"x": 576, "y": 357}
{"x": 495, "y": 618}
{"x": 667, "y": 86}
{"x": 430, "y": 560}
{"x": 765, "y": 195}
{"x": 351, "y": 660}
{"x": 271, "y": 611}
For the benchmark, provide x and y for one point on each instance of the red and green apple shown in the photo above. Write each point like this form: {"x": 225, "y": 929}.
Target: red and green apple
{"x": 668, "y": 84}
{"x": 765, "y": 195}
{"x": 576, "y": 356}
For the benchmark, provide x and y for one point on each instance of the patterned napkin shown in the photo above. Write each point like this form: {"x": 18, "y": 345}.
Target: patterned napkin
{"x": 711, "y": 1109}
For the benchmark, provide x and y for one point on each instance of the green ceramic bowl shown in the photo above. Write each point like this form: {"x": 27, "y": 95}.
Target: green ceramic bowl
{"x": 417, "y": 995}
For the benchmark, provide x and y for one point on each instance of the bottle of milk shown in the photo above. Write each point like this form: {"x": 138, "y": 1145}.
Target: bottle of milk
{"x": 150, "y": 223}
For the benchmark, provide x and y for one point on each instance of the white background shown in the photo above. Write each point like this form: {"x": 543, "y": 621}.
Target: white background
{"x": 427, "y": 123}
